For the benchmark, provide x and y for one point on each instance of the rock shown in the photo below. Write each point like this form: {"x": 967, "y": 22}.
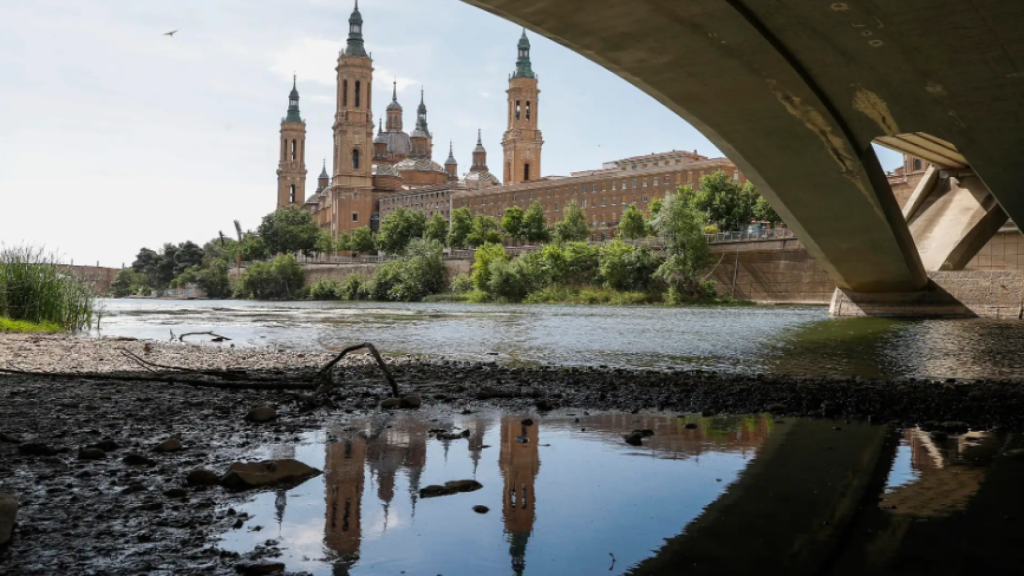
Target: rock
{"x": 138, "y": 460}
{"x": 954, "y": 427}
{"x": 449, "y": 488}
{"x": 390, "y": 403}
{"x": 261, "y": 414}
{"x": 9, "y": 439}
{"x": 938, "y": 436}
{"x": 202, "y": 478}
{"x": 529, "y": 422}
{"x": 169, "y": 445}
{"x": 8, "y": 517}
{"x": 259, "y": 568}
{"x": 646, "y": 432}
{"x": 242, "y": 476}
{"x": 633, "y": 438}
{"x": 691, "y": 426}
{"x": 1017, "y": 453}
{"x": 176, "y": 493}
{"x": 411, "y": 402}
{"x": 544, "y": 405}
{"x": 708, "y": 412}
{"x": 480, "y": 509}
{"x": 106, "y": 445}
{"x": 36, "y": 449}
{"x": 91, "y": 454}
{"x": 777, "y": 408}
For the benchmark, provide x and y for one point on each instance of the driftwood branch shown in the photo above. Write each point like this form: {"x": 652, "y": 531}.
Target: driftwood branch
{"x": 216, "y": 337}
{"x": 325, "y": 374}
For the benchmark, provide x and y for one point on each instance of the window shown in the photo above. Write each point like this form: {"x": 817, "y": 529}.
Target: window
{"x": 689, "y": 176}
{"x": 917, "y": 164}
{"x": 556, "y": 207}
{"x": 602, "y": 203}
{"x": 584, "y": 203}
{"x": 294, "y": 150}
{"x": 735, "y": 175}
{"x": 291, "y": 193}
{"x": 668, "y": 179}
{"x": 655, "y": 181}
{"x": 526, "y": 172}
{"x": 344, "y": 93}
{"x": 518, "y": 109}
{"x": 645, "y": 182}
{"x": 634, "y": 182}
{"x": 355, "y": 216}
{"x": 359, "y": 86}
{"x": 614, "y": 187}
{"x": 355, "y": 159}
{"x": 645, "y": 199}
{"x": 528, "y": 110}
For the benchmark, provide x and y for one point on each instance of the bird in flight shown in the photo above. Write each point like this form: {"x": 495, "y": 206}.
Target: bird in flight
{"x": 171, "y": 33}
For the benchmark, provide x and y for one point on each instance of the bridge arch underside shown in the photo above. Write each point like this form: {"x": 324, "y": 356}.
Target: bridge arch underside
{"x": 795, "y": 92}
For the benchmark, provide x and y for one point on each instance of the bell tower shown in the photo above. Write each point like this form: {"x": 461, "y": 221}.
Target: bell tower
{"x": 352, "y": 184}
{"x": 522, "y": 141}
{"x": 291, "y": 168}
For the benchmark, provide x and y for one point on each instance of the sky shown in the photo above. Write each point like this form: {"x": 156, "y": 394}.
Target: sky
{"x": 116, "y": 137}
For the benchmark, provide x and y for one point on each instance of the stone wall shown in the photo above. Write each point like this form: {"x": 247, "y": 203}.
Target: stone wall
{"x": 950, "y": 294}
{"x": 1004, "y": 252}
{"x": 99, "y": 278}
{"x": 777, "y": 272}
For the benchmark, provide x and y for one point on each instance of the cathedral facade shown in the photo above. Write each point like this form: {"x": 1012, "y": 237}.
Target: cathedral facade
{"x": 379, "y": 168}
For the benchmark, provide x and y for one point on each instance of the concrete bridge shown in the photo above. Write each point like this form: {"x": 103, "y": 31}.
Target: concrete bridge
{"x": 796, "y": 92}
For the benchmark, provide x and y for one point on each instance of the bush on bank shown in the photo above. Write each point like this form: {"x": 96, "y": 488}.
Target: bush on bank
{"x": 280, "y": 279}
{"x": 36, "y": 288}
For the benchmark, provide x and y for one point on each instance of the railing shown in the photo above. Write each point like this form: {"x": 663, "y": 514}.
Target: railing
{"x": 754, "y": 236}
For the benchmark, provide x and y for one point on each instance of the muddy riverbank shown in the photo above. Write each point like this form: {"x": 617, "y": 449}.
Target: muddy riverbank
{"x": 106, "y": 516}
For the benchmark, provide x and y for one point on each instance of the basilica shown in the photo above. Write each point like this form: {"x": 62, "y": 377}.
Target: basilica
{"x": 378, "y": 167}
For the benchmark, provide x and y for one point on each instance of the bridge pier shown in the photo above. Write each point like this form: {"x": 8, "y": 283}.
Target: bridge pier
{"x": 950, "y": 294}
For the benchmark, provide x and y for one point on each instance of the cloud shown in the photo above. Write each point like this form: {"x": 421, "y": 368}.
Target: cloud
{"x": 312, "y": 59}
{"x": 387, "y": 77}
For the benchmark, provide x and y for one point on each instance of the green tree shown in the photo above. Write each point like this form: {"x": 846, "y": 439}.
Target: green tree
{"x": 632, "y": 225}
{"x": 187, "y": 255}
{"x": 725, "y": 202}
{"x": 220, "y": 248}
{"x": 363, "y": 241}
{"x": 682, "y": 226}
{"x": 571, "y": 263}
{"x": 625, "y": 267}
{"x": 512, "y": 224}
{"x": 764, "y": 212}
{"x": 253, "y": 248}
{"x": 122, "y": 285}
{"x": 166, "y": 266}
{"x": 534, "y": 225}
{"x": 461, "y": 228}
{"x": 214, "y": 279}
{"x": 399, "y": 228}
{"x": 146, "y": 262}
{"x": 324, "y": 243}
{"x": 289, "y": 230}
{"x": 486, "y": 254}
{"x": 280, "y": 279}
{"x": 418, "y": 274}
{"x": 343, "y": 243}
{"x": 513, "y": 280}
{"x": 573, "y": 226}
{"x": 437, "y": 229}
{"x": 485, "y": 229}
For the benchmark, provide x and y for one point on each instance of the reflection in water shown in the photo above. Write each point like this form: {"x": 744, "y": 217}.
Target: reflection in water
{"x": 797, "y": 341}
{"x": 520, "y": 463}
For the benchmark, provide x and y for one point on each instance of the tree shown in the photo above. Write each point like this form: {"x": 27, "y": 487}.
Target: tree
{"x": 483, "y": 258}
{"x": 363, "y": 241}
{"x": 764, "y": 212}
{"x": 146, "y": 261}
{"x": 632, "y": 225}
{"x": 485, "y": 229}
{"x": 399, "y": 228}
{"x": 189, "y": 254}
{"x": 277, "y": 280}
{"x": 289, "y": 230}
{"x": 324, "y": 243}
{"x": 437, "y": 229}
{"x": 253, "y": 248}
{"x": 418, "y": 274}
{"x": 535, "y": 227}
{"x": 724, "y": 201}
{"x": 682, "y": 226}
{"x": 625, "y": 267}
{"x": 461, "y": 227}
{"x": 343, "y": 243}
{"x": 512, "y": 224}
{"x": 573, "y": 226}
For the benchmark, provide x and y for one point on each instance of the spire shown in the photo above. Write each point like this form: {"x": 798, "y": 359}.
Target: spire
{"x": 323, "y": 173}
{"x": 451, "y": 161}
{"x": 394, "y": 98}
{"x": 524, "y": 68}
{"x": 479, "y": 155}
{"x": 479, "y": 142}
{"x": 355, "y": 35}
{"x": 293, "y": 116}
{"x": 421, "y": 119}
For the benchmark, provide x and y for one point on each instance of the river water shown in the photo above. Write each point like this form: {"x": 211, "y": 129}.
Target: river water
{"x": 801, "y": 341}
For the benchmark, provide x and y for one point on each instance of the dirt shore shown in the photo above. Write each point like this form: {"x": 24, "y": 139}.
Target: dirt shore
{"x": 105, "y": 516}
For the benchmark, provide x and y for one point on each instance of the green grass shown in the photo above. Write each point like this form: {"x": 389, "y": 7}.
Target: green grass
{"x": 590, "y": 295}
{"x": 36, "y": 288}
{"x": 23, "y": 327}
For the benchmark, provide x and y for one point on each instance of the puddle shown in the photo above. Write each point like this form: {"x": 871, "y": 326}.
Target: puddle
{"x": 566, "y": 495}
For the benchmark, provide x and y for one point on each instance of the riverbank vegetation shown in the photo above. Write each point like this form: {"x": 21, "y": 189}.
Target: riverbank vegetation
{"x": 39, "y": 294}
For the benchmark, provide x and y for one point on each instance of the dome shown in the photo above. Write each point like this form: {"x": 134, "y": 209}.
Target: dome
{"x": 419, "y": 165}
{"x": 398, "y": 142}
{"x": 419, "y": 133}
{"x": 394, "y": 105}
{"x": 386, "y": 170}
{"x": 480, "y": 180}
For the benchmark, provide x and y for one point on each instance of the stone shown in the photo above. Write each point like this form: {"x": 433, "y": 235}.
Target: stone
{"x": 708, "y": 412}
{"x": 9, "y": 439}
{"x": 938, "y": 436}
{"x": 202, "y": 478}
{"x": 777, "y": 408}
{"x": 36, "y": 449}
{"x": 481, "y": 509}
{"x": 106, "y": 445}
{"x": 176, "y": 493}
{"x": 529, "y": 422}
{"x": 245, "y": 475}
{"x": 169, "y": 445}
{"x": 411, "y": 402}
{"x": 391, "y": 403}
{"x": 633, "y": 438}
{"x": 453, "y": 487}
{"x": 262, "y": 414}
{"x": 8, "y": 517}
{"x": 91, "y": 454}
{"x": 954, "y": 427}
{"x": 138, "y": 460}
{"x": 544, "y": 405}
{"x": 691, "y": 426}
{"x": 259, "y": 568}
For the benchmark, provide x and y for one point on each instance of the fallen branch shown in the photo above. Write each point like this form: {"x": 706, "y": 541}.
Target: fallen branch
{"x": 325, "y": 374}
{"x": 225, "y": 374}
{"x": 216, "y": 337}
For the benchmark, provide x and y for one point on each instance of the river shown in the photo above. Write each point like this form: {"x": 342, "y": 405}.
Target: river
{"x": 800, "y": 341}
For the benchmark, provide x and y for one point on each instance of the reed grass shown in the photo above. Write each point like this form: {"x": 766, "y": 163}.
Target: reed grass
{"x": 25, "y": 327}
{"x": 35, "y": 287}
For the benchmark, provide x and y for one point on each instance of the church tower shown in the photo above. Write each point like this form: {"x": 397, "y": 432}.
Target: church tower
{"x": 352, "y": 187}
{"x": 451, "y": 165}
{"x": 522, "y": 141}
{"x": 291, "y": 168}
{"x": 422, "y": 140}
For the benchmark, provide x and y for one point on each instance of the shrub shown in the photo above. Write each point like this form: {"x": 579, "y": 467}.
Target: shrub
{"x": 36, "y": 288}
{"x": 625, "y": 267}
{"x": 513, "y": 280}
{"x": 486, "y": 254}
{"x": 355, "y": 288}
{"x": 461, "y": 284}
{"x": 325, "y": 289}
{"x": 411, "y": 278}
{"x": 572, "y": 263}
{"x": 280, "y": 279}
{"x": 711, "y": 229}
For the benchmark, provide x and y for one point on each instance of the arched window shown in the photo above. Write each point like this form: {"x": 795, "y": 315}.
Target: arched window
{"x": 518, "y": 109}
{"x": 294, "y": 150}
{"x": 355, "y": 159}
{"x": 359, "y": 91}
{"x": 528, "y": 110}
{"x": 291, "y": 194}
{"x": 344, "y": 93}
{"x": 526, "y": 172}
{"x": 917, "y": 165}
